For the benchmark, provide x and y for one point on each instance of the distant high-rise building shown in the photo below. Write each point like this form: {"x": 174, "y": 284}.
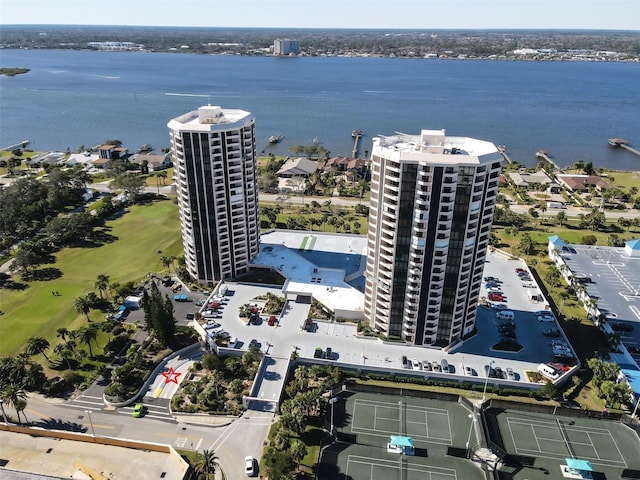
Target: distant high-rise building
{"x": 286, "y": 46}
{"x": 431, "y": 210}
{"x": 214, "y": 152}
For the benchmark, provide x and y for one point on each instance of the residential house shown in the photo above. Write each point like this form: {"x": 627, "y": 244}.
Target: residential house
{"x": 155, "y": 161}
{"x": 582, "y": 183}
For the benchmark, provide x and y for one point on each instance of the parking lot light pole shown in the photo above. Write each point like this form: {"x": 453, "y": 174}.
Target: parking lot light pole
{"x": 93, "y": 432}
{"x": 331, "y": 402}
{"x": 472, "y": 417}
{"x": 486, "y": 381}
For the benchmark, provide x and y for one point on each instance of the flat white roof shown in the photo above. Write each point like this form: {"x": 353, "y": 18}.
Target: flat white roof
{"x": 210, "y": 118}
{"x": 435, "y": 146}
{"x": 326, "y": 277}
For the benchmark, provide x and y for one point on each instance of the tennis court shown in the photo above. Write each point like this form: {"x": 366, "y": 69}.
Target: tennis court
{"x": 537, "y": 444}
{"x": 365, "y": 422}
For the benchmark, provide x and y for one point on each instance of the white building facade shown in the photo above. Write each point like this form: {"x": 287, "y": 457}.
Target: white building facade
{"x": 431, "y": 210}
{"x": 286, "y": 46}
{"x": 214, "y": 152}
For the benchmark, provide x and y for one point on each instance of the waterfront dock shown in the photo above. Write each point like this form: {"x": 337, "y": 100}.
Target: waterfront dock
{"x": 544, "y": 155}
{"x": 356, "y": 135}
{"x": 622, "y": 143}
{"x": 503, "y": 150}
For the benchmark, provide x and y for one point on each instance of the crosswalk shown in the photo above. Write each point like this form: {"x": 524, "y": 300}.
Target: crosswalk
{"x": 158, "y": 410}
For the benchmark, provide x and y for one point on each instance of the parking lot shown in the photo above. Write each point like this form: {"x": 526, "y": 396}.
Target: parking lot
{"x": 518, "y": 315}
{"x": 613, "y": 279}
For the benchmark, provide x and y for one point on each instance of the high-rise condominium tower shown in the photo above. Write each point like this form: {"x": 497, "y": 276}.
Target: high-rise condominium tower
{"x": 432, "y": 201}
{"x": 214, "y": 151}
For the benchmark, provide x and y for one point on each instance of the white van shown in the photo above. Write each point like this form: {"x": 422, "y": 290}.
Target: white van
{"x": 505, "y": 315}
{"x": 548, "y": 371}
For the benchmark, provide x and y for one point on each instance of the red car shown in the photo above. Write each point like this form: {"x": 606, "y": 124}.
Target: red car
{"x": 496, "y": 297}
{"x": 520, "y": 270}
{"x": 272, "y": 321}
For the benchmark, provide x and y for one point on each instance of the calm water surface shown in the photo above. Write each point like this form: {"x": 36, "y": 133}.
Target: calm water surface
{"x": 570, "y": 109}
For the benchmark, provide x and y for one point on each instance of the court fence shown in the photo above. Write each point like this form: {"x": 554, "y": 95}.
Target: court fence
{"x": 406, "y": 392}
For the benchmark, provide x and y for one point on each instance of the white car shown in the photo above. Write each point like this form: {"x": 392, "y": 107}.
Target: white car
{"x": 546, "y": 318}
{"x": 510, "y": 374}
{"x": 249, "y": 466}
{"x": 499, "y": 306}
{"x": 416, "y": 365}
{"x": 468, "y": 370}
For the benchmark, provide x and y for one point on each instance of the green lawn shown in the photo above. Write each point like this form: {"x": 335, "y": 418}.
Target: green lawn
{"x": 138, "y": 236}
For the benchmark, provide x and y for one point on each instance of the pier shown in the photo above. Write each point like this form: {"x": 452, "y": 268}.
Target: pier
{"x": 544, "y": 155}
{"x": 357, "y": 135}
{"x": 22, "y": 144}
{"x": 503, "y": 150}
{"x": 622, "y": 143}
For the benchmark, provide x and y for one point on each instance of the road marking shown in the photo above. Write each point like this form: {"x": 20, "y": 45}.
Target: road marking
{"x": 83, "y": 407}
{"x": 97, "y": 425}
{"x": 87, "y": 402}
{"x": 158, "y": 391}
{"x": 175, "y": 435}
{"x": 40, "y": 414}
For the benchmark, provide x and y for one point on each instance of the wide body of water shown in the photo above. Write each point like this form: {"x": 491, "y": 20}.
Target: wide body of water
{"x": 570, "y": 109}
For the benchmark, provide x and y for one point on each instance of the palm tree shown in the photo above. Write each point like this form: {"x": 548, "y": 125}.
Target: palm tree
{"x": 62, "y": 333}
{"x": 298, "y": 451}
{"x": 81, "y": 304}
{"x": 102, "y": 284}
{"x": 37, "y": 345}
{"x": 206, "y": 463}
{"x": 89, "y": 334}
{"x": 64, "y": 352}
{"x": 166, "y": 262}
{"x": 11, "y": 394}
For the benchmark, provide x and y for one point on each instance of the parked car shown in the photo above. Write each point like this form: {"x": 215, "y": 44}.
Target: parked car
{"x": 416, "y": 365}
{"x": 520, "y": 270}
{"x": 551, "y": 332}
{"x": 621, "y": 327}
{"x": 510, "y": 373}
{"x": 317, "y": 353}
{"x": 491, "y": 279}
{"x": 249, "y": 466}
{"x": 495, "y": 297}
{"x": 445, "y": 366}
{"x": 469, "y": 371}
{"x": 499, "y": 306}
{"x": 272, "y": 321}
{"x": 404, "y": 360}
{"x": 233, "y": 342}
{"x": 426, "y": 365}
{"x": 546, "y": 318}
{"x": 328, "y": 354}
{"x": 436, "y": 366}
{"x": 254, "y": 344}
{"x": 490, "y": 372}
{"x": 138, "y": 410}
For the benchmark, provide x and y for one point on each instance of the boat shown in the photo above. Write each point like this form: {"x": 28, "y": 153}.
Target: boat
{"x": 144, "y": 148}
{"x": 275, "y": 138}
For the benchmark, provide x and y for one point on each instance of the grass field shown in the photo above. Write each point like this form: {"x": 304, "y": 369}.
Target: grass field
{"x": 137, "y": 236}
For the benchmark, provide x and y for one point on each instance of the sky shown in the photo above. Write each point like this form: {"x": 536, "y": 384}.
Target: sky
{"x": 390, "y": 14}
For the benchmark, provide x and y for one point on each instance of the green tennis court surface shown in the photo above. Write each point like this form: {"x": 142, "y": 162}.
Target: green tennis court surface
{"x": 364, "y": 423}
{"x": 537, "y": 444}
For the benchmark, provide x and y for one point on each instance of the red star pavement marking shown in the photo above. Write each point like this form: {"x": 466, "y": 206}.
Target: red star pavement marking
{"x": 171, "y": 376}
